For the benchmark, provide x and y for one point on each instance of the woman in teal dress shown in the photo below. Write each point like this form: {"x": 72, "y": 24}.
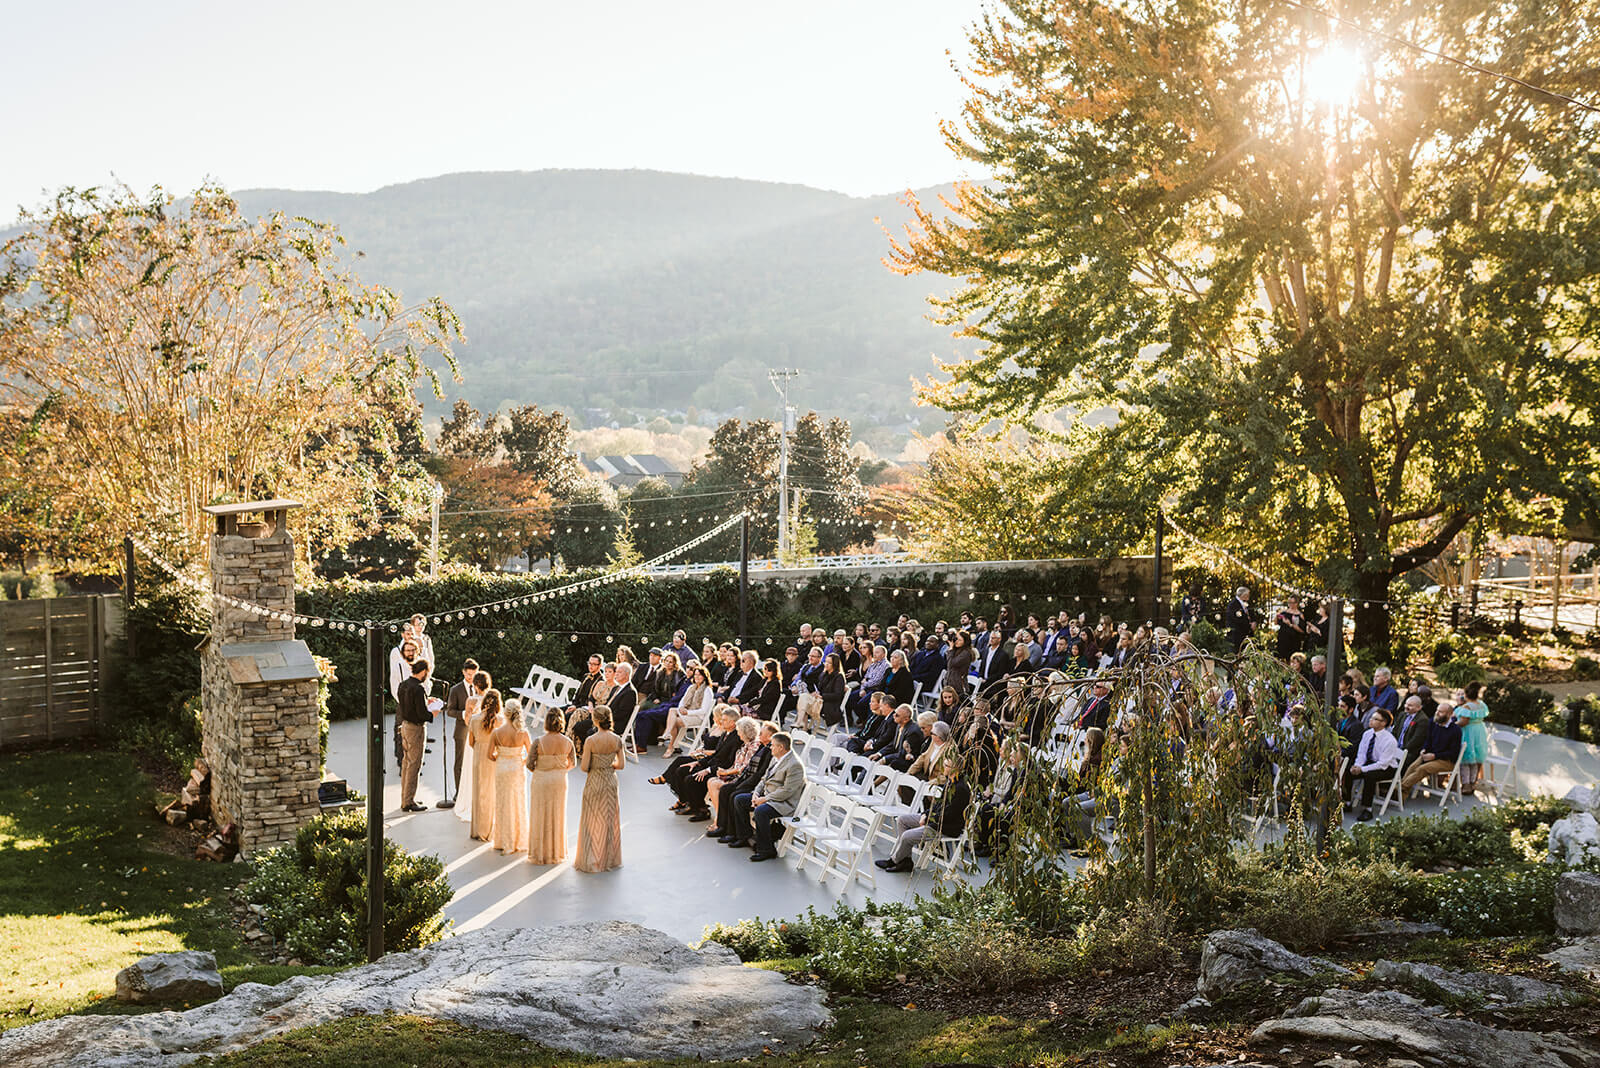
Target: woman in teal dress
{"x": 1474, "y": 736}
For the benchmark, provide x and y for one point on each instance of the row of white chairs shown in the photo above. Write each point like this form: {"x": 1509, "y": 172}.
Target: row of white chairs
{"x": 1499, "y": 775}
{"x": 851, "y": 803}
{"x": 547, "y": 689}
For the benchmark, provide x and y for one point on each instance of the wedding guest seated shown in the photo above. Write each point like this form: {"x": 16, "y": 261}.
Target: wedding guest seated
{"x": 788, "y": 670}
{"x": 872, "y": 676}
{"x": 767, "y": 699}
{"x": 749, "y": 731}
{"x": 946, "y": 817}
{"x": 998, "y": 803}
{"x": 928, "y": 663}
{"x": 874, "y": 729}
{"x": 1376, "y": 761}
{"x": 755, "y": 769}
{"x": 584, "y": 695}
{"x": 670, "y": 684}
{"x": 1437, "y": 755}
{"x": 691, "y": 788}
{"x": 742, "y": 685}
{"x": 905, "y": 742}
{"x": 722, "y": 720}
{"x": 936, "y": 756}
{"x": 699, "y": 698}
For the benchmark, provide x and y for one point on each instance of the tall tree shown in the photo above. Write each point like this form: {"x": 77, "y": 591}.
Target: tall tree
{"x": 820, "y": 464}
{"x": 170, "y": 356}
{"x": 743, "y": 458}
{"x": 539, "y": 443}
{"x": 1340, "y": 292}
{"x": 469, "y": 435}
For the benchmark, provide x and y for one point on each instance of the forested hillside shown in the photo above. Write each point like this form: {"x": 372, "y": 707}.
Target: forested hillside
{"x": 647, "y": 290}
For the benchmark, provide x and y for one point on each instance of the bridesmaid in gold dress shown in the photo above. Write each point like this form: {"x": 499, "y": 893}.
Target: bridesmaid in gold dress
{"x": 508, "y": 749}
{"x": 550, "y": 760}
{"x": 480, "y": 736}
{"x": 600, "y": 828}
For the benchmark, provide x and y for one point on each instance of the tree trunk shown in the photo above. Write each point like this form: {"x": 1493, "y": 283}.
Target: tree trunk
{"x": 1372, "y": 612}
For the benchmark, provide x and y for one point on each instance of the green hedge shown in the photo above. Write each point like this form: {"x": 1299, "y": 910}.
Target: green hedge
{"x": 640, "y": 612}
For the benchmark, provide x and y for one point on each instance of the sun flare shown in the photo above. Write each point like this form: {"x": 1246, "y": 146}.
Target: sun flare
{"x": 1333, "y": 75}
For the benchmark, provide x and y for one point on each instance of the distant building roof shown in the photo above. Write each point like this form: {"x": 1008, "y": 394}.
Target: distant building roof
{"x": 625, "y": 472}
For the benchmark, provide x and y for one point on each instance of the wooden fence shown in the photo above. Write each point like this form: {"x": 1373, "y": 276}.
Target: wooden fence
{"x": 52, "y": 665}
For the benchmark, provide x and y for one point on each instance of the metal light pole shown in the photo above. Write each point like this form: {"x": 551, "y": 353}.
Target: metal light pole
{"x": 1155, "y": 605}
{"x": 1330, "y": 685}
{"x": 375, "y": 691}
{"x": 433, "y": 543}
{"x": 786, "y": 424}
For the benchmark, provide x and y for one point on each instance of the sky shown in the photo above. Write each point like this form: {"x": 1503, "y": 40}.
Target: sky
{"x": 352, "y": 95}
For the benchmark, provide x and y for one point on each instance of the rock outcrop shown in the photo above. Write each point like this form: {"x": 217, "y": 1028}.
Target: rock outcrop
{"x": 1574, "y": 839}
{"x": 608, "y": 989}
{"x": 1491, "y": 988}
{"x": 1577, "y": 903}
{"x": 187, "y": 976}
{"x": 1230, "y": 959}
{"x": 1387, "y": 1018}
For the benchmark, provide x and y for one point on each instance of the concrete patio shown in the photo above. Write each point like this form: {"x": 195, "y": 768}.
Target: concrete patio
{"x": 673, "y": 878}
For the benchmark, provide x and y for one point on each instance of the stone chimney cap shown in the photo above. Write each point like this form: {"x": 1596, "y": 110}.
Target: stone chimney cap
{"x": 277, "y": 504}
{"x": 284, "y": 660}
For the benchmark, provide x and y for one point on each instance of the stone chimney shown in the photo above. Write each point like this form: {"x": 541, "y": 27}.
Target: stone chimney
{"x": 260, "y": 730}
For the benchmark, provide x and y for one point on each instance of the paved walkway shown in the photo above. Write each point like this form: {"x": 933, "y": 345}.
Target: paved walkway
{"x": 673, "y": 878}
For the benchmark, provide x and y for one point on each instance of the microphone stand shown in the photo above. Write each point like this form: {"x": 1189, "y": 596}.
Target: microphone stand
{"x": 447, "y": 730}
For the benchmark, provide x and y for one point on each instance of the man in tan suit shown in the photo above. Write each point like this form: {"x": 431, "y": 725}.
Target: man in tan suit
{"x": 775, "y": 797}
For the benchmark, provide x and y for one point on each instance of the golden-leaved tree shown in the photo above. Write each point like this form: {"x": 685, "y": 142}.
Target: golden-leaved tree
{"x": 157, "y": 356}
{"x": 1339, "y": 293}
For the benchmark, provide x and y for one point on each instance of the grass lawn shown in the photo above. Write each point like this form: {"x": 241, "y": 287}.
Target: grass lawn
{"x": 865, "y": 1033}
{"x": 85, "y": 889}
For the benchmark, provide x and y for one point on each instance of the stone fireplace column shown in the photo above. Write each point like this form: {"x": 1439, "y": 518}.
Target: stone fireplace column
{"x": 260, "y": 730}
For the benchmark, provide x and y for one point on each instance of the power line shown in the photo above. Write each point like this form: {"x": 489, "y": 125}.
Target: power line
{"x": 1457, "y": 60}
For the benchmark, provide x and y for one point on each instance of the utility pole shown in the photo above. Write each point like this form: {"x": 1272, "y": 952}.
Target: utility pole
{"x": 433, "y": 544}
{"x": 780, "y": 381}
{"x": 744, "y": 579}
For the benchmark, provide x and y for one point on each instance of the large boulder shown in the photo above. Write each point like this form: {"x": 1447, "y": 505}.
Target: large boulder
{"x": 1578, "y": 903}
{"x": 614, "y": 990}
{"x": 1231, "y": 959}
{"x": 1492, "y": 988}
{"x": 1574, "y": 839}
{"x": 1581, "y": 956}
{"x": 187, "y": 976}
{"x": 1390, "y": 1019}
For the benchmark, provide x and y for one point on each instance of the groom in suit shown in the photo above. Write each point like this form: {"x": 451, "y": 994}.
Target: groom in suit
{"x": 775, "y": 797}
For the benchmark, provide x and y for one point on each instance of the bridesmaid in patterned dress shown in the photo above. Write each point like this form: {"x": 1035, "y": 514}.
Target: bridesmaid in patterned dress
{"x": 600, "y": 827}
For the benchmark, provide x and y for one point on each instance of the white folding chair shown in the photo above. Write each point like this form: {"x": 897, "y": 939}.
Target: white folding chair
{"x": 819, "y": 836}
{"x": 806, "y": 820}
{"x": 843, "y": 851}
{"x": 948, "y": 856}
{"x": 1394, "y": 796}
{"x": 1500, "y": 772}
{"x": 889, "y": 827}
{"x": 813, "y": 755}
{"x": 877, "y": 788}
{"x": 841, "y": 778}
{"x": 1452, "y": 784}
{"x": 695, "y": 723}
{"x": 628, "y": 743}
